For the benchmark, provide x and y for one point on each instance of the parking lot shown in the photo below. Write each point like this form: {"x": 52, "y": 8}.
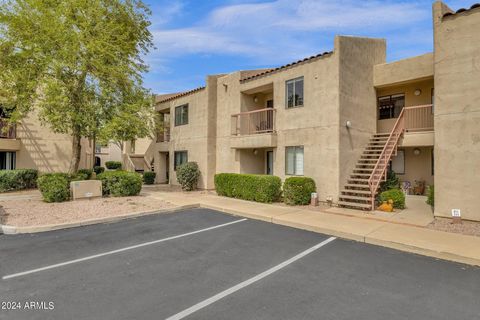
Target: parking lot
{"x": 202, "y": 264}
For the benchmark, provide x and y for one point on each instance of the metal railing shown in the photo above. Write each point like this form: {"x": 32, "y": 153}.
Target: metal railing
{"x": 7, "y": 130}
{"x": 254, "y": 122}
{"x": 379, "y": 171}
{"x": 419, "y": 118}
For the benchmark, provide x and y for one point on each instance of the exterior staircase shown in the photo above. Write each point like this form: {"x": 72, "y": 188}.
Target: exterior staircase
{"x": 371, "y": 169}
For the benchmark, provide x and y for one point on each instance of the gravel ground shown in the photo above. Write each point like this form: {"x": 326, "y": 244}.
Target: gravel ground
{"x": 32, "y": 212}
{"x": 466, "y": 227}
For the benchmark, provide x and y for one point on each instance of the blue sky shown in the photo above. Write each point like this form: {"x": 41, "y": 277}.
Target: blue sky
{"x": 194, "y": 38}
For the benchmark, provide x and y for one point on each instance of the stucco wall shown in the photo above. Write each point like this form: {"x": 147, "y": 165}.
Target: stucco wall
{"x": 314, "y": 126}
{"x": 357, "y": 56}
{"x": 414, "y": 68}
{"x": 457, "y": 112}
{"x": 197, "y": 137}
{"x": 417, "y": 167}
{"x": 44, "y": 150}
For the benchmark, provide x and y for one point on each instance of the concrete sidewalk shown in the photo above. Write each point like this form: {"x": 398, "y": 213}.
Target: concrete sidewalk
{"x": 361, "y": 227}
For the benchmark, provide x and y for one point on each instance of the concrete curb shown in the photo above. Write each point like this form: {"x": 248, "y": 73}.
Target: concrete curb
{"x": 9, "y": 230}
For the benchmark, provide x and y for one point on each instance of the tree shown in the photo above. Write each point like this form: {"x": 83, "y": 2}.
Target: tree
{"x": 79, "y": 63}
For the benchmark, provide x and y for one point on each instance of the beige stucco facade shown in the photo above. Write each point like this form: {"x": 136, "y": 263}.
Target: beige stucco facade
{"x": 340, "y": 114}
{"x": 38, "y": 147}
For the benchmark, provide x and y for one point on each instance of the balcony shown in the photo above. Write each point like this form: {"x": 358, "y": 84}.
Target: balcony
{"x": 163, "y": 139}
{"x": 254, "y": 129}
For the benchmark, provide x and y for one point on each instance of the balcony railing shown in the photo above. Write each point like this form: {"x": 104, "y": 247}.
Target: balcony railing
{"x": 7, "y": 131}
{"x": 163, "y": 136}
{"x": 419, "y": 118}
{"x": 253, "y": 122}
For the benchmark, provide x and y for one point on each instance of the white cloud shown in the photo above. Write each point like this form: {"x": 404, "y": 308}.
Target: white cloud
{"x": 281, "y": 30}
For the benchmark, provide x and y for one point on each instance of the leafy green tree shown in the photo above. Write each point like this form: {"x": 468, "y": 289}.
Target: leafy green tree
{"x": 79, "y": 63}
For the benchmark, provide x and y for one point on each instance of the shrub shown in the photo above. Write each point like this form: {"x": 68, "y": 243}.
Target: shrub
{"x": 149, "y": 177}
{"x": 253, "y": 187}
{"x": 392, "y": 182}
{"x": 85, "y": 173}
{"x": 396, "y": 195}
{"x": 98, "y": 169}
{"x": 431, "y": 195}
{"x": 113, "y": 165}
{"x": 188, "y": 175}
{"x": 11, "y": 180}
{"x": 298, "y": 190}
{"x": 120, "y": 183}
{"x": 55, "y": 187}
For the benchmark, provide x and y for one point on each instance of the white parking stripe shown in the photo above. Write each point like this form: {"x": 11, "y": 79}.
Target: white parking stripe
{"x": 15, "y": 275}
{"x": 245, "y": 283}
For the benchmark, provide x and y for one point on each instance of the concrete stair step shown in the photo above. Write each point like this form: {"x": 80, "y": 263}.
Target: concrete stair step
{"x": 357, "y": 186}
{"x": 358, "y": 198}
{"x": 355, "y": 205}
{"x": 365, "y": 192}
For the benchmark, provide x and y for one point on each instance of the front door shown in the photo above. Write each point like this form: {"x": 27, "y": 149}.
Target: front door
{"x": 269, "y": 162}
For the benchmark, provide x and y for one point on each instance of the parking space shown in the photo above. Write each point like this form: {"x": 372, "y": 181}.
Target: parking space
{"x": 201, "y": 264}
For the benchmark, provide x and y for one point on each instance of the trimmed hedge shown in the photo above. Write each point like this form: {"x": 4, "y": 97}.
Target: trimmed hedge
{"x": 298, "y": 190}
{"x": 113, "y": 165}
{"x": 253, "y": 187}
{"x": 396, "y": 195}
{"x": 149, "y": 177}
{"x": 98, "y": 169}
{"x": 120, "y": 183}
{"x": 55, "y": 187}
{"x": 188, "y": 175}
{"x": 86, "y": 173}
{"x": 11, "y": 180}
{"x": 431, "y": 195}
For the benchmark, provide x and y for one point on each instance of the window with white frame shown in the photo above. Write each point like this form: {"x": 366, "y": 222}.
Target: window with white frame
{"x": 294, "y": 93}
{"x": 294, "y": 161}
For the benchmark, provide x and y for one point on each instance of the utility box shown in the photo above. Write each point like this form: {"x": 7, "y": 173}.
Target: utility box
{"x": 85, "y": 189}
{"x": 314, "y": 199}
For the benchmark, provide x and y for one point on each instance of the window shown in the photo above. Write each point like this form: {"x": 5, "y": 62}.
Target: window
{"x": 294, "y": 161}
{"x": 294, "y": 93}
{"x": 180, "y": 158}
{"x": 7, "y": 160}
{"x": 181, "y": 115}
{"x": 390, "y": 106}
{"x": 397, "y": 164}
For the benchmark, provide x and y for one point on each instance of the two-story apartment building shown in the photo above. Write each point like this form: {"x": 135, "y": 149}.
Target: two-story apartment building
{"x": 343, "y": 117}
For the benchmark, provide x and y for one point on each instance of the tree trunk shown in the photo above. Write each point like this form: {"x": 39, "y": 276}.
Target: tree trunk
{"x": 76, "y": 153}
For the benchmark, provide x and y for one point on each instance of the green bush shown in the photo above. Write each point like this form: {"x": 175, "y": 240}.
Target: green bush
{"x": 149, "y": 177}
{"x": 55, "y": 187}
{"x": 120, "y": 183}
{"x": 396, "y": 195}
{"x": 85, "y": 173}
{"x": 11, "y": 180}
{"x": 253, "y": 187}
{"x": 431, "y": 195}
{"x": 298, "y": 190}
{"x": 188, "y": 175}
{"x": 113, "y": 165}
{"x": 98, "y": 169}
{"x": 392, "y": 182}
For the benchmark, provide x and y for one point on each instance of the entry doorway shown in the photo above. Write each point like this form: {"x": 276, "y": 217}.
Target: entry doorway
{"x": 269, "y": 162}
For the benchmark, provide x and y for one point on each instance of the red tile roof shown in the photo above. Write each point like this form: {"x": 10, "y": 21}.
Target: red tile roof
{"x": 476, "y": 5}
{"x": 169, "y": 97}
{"x": 281, "y": 68}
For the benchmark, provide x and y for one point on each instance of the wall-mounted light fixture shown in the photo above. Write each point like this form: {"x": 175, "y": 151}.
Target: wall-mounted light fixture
{"x": 416, "y": 151}
{"x": 417, "y": 92}
{"x": 255, "y": 99}
{"x": 255, "y": 151}
{"x": 348, "y": 124}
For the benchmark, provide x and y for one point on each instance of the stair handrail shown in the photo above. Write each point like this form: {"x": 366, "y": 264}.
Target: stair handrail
{"x": 396, "y": 132}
